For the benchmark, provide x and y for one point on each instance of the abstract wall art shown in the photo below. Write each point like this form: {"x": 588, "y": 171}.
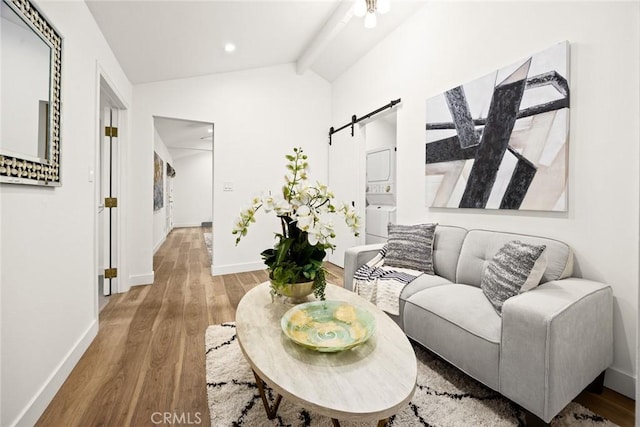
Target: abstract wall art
{"x": 501, "y": 141}
{"x": 158, "y": 178}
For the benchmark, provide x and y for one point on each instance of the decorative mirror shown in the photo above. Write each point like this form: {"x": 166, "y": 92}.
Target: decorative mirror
{"x": 30, "y": 71}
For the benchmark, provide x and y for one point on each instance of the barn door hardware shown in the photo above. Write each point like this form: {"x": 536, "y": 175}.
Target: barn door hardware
{"x": 355, "y": 119}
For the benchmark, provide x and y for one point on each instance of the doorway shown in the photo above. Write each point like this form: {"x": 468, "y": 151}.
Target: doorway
{"x": 381, "y": 138}
{"x": 346, "y": 180}
{"x": 107, "y": 175}
{"x": 189, "y": 187}
{"x": 369, "y": 153}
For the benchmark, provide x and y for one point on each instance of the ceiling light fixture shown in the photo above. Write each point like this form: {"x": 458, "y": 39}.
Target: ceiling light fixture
{"x": 229, "y": 47}
{"x": 368, "y": 9}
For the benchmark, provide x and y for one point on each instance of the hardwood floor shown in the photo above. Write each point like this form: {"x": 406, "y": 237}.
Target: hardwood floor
{"x": 147, "y": 361}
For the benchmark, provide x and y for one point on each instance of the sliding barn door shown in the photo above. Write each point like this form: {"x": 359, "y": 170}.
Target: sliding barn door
{"x": 347, "y": 180}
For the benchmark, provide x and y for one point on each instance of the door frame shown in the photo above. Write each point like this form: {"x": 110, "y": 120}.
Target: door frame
{"x": 106, "y": 88}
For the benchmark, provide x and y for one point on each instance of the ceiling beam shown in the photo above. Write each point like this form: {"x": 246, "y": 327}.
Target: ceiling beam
{"x": 334, "y": 25}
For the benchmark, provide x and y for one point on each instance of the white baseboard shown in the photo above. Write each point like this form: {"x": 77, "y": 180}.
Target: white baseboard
{"x": 621, "y": 382}
{"x": 157, "y": 246}
{"x": 217, "y": 270}
{"x": 36, "y": 406}
{"x": 188, "y": 224}
{"x": 141, "y": 279}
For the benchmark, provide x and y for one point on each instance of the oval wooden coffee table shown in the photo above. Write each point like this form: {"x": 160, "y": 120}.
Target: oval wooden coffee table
{"x": 370, "y": 382}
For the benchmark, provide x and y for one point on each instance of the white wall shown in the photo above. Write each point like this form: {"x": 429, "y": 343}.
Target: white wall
{"x": 160, "y": 229}
{"x": 449, "y": 43}
{"x": 48, "y": 260}
{"x": 259, "y": 116}
{"x": 193, "y": 189}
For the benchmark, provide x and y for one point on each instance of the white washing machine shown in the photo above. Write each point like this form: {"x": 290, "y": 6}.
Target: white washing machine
{"x": 377, "y": 220}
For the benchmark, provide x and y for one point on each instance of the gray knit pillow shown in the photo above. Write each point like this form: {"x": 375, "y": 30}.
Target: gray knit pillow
{"x": 516, "y": 268}
{"x": 411, "y": 246}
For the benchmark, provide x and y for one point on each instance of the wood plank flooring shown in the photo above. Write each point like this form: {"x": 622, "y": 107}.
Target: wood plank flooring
{"x": 148, "y": 357}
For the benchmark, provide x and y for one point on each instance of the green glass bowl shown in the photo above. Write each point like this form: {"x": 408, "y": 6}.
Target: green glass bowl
{"x": 328, "y": 326}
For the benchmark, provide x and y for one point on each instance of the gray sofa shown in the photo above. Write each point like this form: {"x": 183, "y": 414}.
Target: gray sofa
{"x": 550, "y": 343}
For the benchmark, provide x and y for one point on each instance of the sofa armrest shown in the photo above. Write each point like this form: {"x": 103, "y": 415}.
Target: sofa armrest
{"x": 355, "y": 257}
{"x": 556, "y": 339}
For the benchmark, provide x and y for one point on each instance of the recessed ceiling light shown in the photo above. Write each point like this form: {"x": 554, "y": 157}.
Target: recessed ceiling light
{"x": 210, "y": 130}
{"x": 229, "y": 47}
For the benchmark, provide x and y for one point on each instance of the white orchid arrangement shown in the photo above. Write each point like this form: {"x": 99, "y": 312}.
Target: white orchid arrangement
{"x": 306, "y": 212}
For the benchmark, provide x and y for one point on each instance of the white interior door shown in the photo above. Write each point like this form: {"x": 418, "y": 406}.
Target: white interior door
{"x": 102, "y": 213}
{"x": 107, "y": 217}
{"x": 108, "y": 172}
{"x": 346, "y": 180}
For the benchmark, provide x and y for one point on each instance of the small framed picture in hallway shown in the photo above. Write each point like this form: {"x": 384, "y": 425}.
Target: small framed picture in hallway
{"x": 158, "y": 178}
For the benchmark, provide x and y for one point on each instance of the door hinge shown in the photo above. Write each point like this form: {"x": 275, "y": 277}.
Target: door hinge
{"x": 110, "y": 273}
{"x": 111, "y": 131}
{"x": 110, "y": 202}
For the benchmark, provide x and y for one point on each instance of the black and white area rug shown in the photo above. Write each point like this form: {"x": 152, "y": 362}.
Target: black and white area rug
{"x": 444, "y": 396}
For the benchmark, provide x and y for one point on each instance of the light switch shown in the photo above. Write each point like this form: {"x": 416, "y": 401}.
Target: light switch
{"x": 227, "y": 186}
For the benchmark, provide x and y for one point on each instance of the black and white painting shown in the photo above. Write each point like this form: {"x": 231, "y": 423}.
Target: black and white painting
{"x": 501, "y": 141}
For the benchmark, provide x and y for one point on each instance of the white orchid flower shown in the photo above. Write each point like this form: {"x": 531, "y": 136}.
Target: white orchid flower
{"x": 313, "y": 238}
{"x": 303, "y": 194}
{"x": 275, "y": 203}
{"x": 304, "y": 217}
{"x": 268, "y": 203}
{"x": 321, "y": 231}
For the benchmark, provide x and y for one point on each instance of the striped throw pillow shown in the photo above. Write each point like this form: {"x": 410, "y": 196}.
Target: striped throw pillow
{"x": 517, "y": 267}
{"x": 411, "y": 246}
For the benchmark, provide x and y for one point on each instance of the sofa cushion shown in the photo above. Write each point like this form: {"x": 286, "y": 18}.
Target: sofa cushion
{"x": 411, "y": 246}
{"x": 458, "y": 323}
{"x": 418, "y": 284}
{"x": 446, "y": 250}
{"x": 421, "y": 283}
{"x": 517, "y": 267}
{"x": 480, "y": 246}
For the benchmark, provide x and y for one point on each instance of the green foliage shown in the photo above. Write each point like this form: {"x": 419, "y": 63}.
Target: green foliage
{"x": 294, "y": 260}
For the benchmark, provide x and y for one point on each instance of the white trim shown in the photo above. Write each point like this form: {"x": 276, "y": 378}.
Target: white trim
{"x": 187, "y": 225}
{"x": 622, "y": 382}
{"x": 37, "y": 405}
{"x": 237, "y": 268}
{"x": 157, "y": 246}
{"x": 141, "y": 279}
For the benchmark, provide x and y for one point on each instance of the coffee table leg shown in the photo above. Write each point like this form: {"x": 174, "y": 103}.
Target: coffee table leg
{"x": 271, "y": 410}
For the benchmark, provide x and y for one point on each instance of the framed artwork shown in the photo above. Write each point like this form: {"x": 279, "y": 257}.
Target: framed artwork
{"x": 158, "y": 178}
{"x": 501, "y": 141}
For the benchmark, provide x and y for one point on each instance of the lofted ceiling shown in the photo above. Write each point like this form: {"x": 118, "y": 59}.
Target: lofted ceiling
{"x": 157, "y": 40}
